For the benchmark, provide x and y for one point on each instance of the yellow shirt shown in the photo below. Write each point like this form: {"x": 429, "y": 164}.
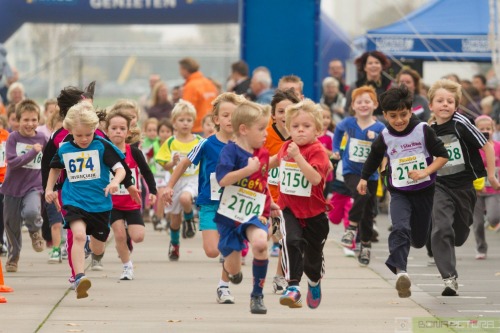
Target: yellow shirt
{"x": 173, "y": 146}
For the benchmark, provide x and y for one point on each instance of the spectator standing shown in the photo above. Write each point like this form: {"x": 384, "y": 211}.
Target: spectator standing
{"x": 336, "y": 70}
{"x": 160, "y": 107}
{"x": 239, "y": 74}
{"x": 260, "y": 85}
{"x": 333, "y": 98}
{"x": 411, "y": 79}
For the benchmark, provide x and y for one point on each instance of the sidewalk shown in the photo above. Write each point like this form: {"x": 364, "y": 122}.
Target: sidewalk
{"x": 180, "y": 296}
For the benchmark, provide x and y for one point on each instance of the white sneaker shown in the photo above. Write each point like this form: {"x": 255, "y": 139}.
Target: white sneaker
{"x": 96, "y": 264}
{"x": 403, "y": 285}
{"x": 224, "y": 296}
{"x": 348, "y": 252}
{"x": 128, "y": 273}
{"x": 279, "y": 284}
{"x": 480, "y": 256}
{"x": 450, "y": 287}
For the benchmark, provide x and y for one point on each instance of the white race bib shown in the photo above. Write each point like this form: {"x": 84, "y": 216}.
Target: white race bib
{"x": 82, "y": 166}
{"x": 359, "y": 150}
{"x": 293, "y": 181}
{"x": 191, "y": 170}
{"x": 455, "y": 155}
{"x": 241, "y": 204}
{"x": 2, "y": 154}
{"x": 401, "y": 166}
{"x": 23, "y": 148}
{"x": 273, "y": 177}
{"x": 215, "y": 189}
{"x": 122, "y": 190}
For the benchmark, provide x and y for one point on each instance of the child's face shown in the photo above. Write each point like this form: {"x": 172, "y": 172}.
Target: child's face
{"x": 164, "y": 133}
{"x": 364, "y": 106}
{"x": 12, "y": 121}
{"x": 117, "y": 130}
{"x": 82, "y": 135}
{"x": 151, "y": 131}
{"x": 183, "y": 124}
{"x": 485, "y": 126}
{"x": 279, "y": 114}
{"x": 327, "y": 119}
{"x": 257, "y": 132}
{"x": 28, "y": 123}
{"x": 50, "y": 110}
{"x": 443, "y": 105}
{"x": 303, "y": 128}
{"x": 208, "y": 127}
{"x": 223, "y": 119}
{"x": 398, "y": 119}
{"x": 133, "y": 114}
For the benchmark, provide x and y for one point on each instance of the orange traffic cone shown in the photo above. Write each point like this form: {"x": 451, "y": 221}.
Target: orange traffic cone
{"x": 3, "y": 287}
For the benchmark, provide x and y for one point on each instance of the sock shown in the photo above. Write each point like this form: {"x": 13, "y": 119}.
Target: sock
{"x": 294, "y": 283}
{"x": 259, "y": 270}
{"x": 223, "y": 283}
{"x": 79, "y": 276}
{"x": 97, "y": 256}
{"x": 188, "y": 216}
{"x": 400, "y": 271}
{"x": 174, "y": 236}
{"x": 128, "y": 264}
{"x": 312, "y": 284}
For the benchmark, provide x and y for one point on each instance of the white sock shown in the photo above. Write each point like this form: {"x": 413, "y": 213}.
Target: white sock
{"x": 128, "y": 264}
{"x": 223, "y": 283}
{"x": 312, "y": 284}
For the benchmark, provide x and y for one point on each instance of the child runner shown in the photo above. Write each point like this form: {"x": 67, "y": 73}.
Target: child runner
{"x": 206, "y": 154}
{"x": 409, "y": 146}
{"x": 488, "y": 200}
{"x": 455, "y": 195}
{"x": 277, "y": 135}
{"x": 150, "y": 144}
{"x": 208, "y": 126}
{"x": 169, "y": 156}
{"x": 361, "y": 130}
{"x": 304, "y": 166}
{"x": 126, "y": 217}
{"x": 4, "y": 134}
{"x": 245, "y": 203}
{"x": 86, "y": 193}
{"x": 22, "y": 186}
{"x": 326, "y": 139}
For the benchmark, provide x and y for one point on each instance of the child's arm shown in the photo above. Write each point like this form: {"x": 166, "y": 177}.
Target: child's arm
{"x": 14, "y": 161}
{"x": 490, "y": 165}
{"x": 174, "y": 178}
{"x": 313, "y": 176}
{"x": 170, "y": 165}
{"x": 145, "y": 172}
{"x": 274, "y": 162}
{"x": 235, "y": 176}
{"x": 373, "y": 161}
{"x": 437, "y": 164}
{"x": 337, "y": 140}
{"x": 50, "y": 195}
{"x": 113, "y": 186}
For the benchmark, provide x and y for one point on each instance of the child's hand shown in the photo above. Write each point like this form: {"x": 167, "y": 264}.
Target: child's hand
{"x": 176, "y": 159}
{"x": 417, "y": 174}
{"x": 52, "y": 197}
{"x": 362, "y": 185}
{"x": 135, "y": 194}
{"x": 152, "y": 199}
{"x": 253, "y": 164}
{"x": 336, "y": 156}
{"x": 494, "y": 183}
{"x": 293, "y": 150}
{"x": 275, "y": 210}
{"x": 37, "y": 147}
{"x": 167, "y": 196}
{"x": 111, "y": 188}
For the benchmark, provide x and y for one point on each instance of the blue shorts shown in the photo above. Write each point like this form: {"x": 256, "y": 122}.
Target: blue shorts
{"x": 53, "y": 215}
{"x": 232, "y": 236}
{"x": 207, "y": 215}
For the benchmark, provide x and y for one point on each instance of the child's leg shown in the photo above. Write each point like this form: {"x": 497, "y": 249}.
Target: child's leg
{"x": 315, "y": 234}
{"x": 120, "y": 234}
{"x": 231, "y": 265}
{"x": 175, "y": 225}
{"x": 13, "y": 222}
{"x": 186, "y": 201}
{"x": 69, "y": 248}
{"x": 159, "y": 210}
{"x": 399, "y": 238}
{"x": 78, "y": 228}
{"x": 257, "y": 238}
{"x": 31, "y": 214}
{"x": 492, "y": 203}
{"x": 293, "y": 249}
{"x": 210, "y": 242}
{"x": 478, "y": 225}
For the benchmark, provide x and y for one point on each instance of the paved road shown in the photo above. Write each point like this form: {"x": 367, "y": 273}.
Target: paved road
{"x": 180, "y": 296}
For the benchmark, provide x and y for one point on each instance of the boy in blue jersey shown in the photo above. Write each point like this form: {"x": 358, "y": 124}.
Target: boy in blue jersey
{"x": 86, "y": 191}
{"x": 361, "y": 130}
{"x": 206, "y": 153}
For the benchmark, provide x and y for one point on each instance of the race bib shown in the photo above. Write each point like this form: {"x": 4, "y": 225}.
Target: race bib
{"x": 23, "y": 148}
{"x": 191, "y": 170}
{"x": 241, "y": 204}
{"x": 456, "y": 161}
{"x": 2, "y": 154}
{"x": 122, "y": 190}
{"x": 82, "y": 166}
{"x": 273, "y": 176}
{"x": 160, "y": 176}
{"x": 215, "y": 189}
{"x": 359, "y": 150}
{"x": 293, "y": 181}
{"x": 401, "y": 166}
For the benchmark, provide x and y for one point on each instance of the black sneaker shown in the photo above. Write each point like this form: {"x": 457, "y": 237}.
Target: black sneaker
{"x": 190, "y": 228}
{"x": 364, "y": 255}
{"x": 257, "y": 305}
{"x": 237, "y": 278}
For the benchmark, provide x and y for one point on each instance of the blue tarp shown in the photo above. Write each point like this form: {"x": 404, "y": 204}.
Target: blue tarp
{"x": 443, "y": 30}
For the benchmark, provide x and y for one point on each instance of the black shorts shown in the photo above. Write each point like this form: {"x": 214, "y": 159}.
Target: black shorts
{"x": 97, "y": 223}
{"x": 131, "y": 216}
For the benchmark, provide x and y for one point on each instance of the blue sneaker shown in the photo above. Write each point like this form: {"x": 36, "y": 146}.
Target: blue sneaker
{"x": 82, "y": 286}
{"x": 291, "y": 298}
{"x": 87, "y": 249}
{"x": 313, "y": 295}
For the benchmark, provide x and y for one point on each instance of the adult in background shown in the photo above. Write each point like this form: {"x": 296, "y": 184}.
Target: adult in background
{"x": 479, "y": 82}
{"x": 333, "y": 98}
{"x": 239, "y": 74}
{"x": 7, "y": 74}
{"x": 198, "y": 90}
{"x": 370, "y": 68}
{"x": 16, "y": 93}
{"x": 336, "y": 70}
{"x": 146, "y": 98}
{"x": 159, "y": 105}
{"x": 411, "y": 79}
{"x": 260, "y": 85}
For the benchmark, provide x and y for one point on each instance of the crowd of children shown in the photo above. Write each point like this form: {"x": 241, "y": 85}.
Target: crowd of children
{"x": 276, "y": 173}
